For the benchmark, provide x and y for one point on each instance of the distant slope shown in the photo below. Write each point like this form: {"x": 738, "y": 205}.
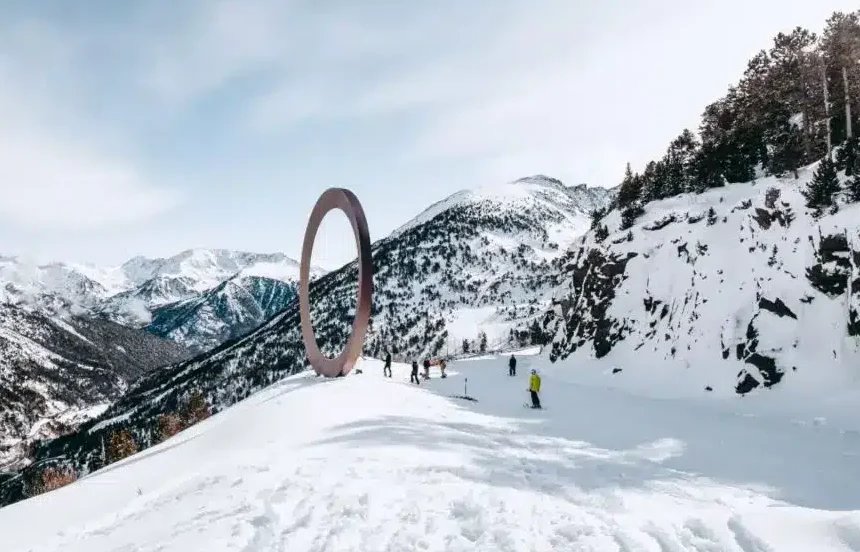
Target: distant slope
{"x": 231, "y": 309}
{"x": 57, "y": 373}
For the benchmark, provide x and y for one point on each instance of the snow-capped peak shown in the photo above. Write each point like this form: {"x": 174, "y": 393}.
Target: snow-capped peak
{"x": 524, "y": 193}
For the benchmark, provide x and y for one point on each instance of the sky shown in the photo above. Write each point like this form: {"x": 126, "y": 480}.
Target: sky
{"x": 147, "y": 128}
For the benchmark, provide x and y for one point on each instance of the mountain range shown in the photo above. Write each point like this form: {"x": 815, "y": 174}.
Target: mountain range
{"x": 74, "y": 337}
{"x": 176, "y": 297}
{"x": 480, "y": 261}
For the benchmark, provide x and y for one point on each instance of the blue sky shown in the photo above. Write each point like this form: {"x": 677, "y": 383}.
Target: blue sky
{"x": 146, "y": 128}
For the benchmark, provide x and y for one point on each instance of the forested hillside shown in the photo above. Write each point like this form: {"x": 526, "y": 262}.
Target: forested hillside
{"x": 793, "y": 104}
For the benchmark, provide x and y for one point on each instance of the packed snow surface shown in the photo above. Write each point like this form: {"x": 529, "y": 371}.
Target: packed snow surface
{"x": 367, "y": 463}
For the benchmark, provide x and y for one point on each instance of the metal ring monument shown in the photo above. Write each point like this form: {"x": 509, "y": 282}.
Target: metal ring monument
{"x": 345, "y": 200}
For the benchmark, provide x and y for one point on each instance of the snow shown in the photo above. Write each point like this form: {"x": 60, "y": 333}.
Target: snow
{"x": 523, "y": 192}
{"x": 284, "y": 271}
{"x": 709, "y": 278}
{"x": 370, "y": 463}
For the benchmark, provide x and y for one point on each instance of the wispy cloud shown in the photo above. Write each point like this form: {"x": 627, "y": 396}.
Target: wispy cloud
{"x": 576, "y": 88}
{"x": 205, "y": 44}
{"x": 55, "y": 169}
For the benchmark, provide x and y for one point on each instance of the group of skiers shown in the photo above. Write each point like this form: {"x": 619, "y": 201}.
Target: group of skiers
{"x": 413, "y": 377}
{"x": 534, "y": 378}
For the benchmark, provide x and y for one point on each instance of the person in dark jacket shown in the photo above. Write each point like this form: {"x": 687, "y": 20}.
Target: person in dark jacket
{"x": 512, "y": 366}
{"x": 413, "y": 377}
{"x": 386, "y": 370}
{"x": 426, "y": 368}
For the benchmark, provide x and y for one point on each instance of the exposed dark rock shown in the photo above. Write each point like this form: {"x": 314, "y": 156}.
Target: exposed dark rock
{"x": 830, "y": 273}
{"x": 776, "y": 307}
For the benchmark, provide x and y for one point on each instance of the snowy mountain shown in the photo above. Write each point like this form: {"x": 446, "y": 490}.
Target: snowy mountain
{"x": 480, "y": 260}
{"x": 400, "y": 467}
{"x": 130, "y": 294}
{"x": 56, "y": 373}
{"x": 149, "y": 284}
{"x": 229, "y": 310}
{"x": 741, "y": 287}
{"x": 55, "y": 287}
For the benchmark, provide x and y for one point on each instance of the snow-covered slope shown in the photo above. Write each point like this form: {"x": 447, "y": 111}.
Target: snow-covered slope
{"x": 399, "y": 467}
{"x": 482, "y": 263}
{"x": 229, "y": 310}
{"x": 56, "y": 373}
{"x": 479, "y": 260}
{"x": 728, "y": 291}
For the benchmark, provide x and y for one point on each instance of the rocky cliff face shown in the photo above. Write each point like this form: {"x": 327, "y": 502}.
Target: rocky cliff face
{"x": 733, "y": 290}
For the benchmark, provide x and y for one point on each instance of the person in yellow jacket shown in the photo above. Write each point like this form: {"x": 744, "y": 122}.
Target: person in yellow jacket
{"x": 534, "y": 388}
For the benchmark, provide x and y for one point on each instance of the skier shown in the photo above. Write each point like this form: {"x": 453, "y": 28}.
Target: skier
{"x": 534, "y": 388}
{"x": 512, "y": 366}
{"x": 414, "y": 375}
{"x": 442, "y": 368}
{"x": 386, "y": 370}
{"x": 426, "y": 368}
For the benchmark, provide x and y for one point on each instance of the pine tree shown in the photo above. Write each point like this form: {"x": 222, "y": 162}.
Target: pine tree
{"x": 596, "y": 216}
{"x": 482, "y": 346}
{"x": 601, "y": 233}
{"x": 846, "y": 158}
{"x": 630, "y": 214}
{"x": 629, "y": 190}
{"x": 823, "y": 186}
{"x": 840, "y": 47}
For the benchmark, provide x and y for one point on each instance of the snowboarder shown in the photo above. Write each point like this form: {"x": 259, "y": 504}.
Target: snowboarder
{"x": 442, "y": 368}
{"x": 534, "y": 388}
{"x": 386, "y": 370}
{"x": 413, "y": 377}
{"x": 512, "y": 366}
{"x": 426, "y": 368}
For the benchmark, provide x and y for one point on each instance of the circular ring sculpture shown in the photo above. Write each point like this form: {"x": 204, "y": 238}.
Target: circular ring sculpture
{"x": 345, "y": 200}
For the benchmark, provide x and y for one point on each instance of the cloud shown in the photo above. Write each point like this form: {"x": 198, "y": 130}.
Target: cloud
{"x": 210, "y": 42}
{"x": 55, "y": 171}
{"x": 576, "y": 88}
{"x": 500, "y": 89}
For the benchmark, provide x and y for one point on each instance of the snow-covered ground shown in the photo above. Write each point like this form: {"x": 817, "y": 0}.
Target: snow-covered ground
{"x": 367, "y": 463}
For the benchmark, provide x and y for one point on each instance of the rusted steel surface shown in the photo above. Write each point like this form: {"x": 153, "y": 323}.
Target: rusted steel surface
{"x": 345, "y": 200}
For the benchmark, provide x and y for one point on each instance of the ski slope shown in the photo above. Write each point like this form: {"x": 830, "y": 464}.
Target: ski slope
{"x": 367, "y": 463}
